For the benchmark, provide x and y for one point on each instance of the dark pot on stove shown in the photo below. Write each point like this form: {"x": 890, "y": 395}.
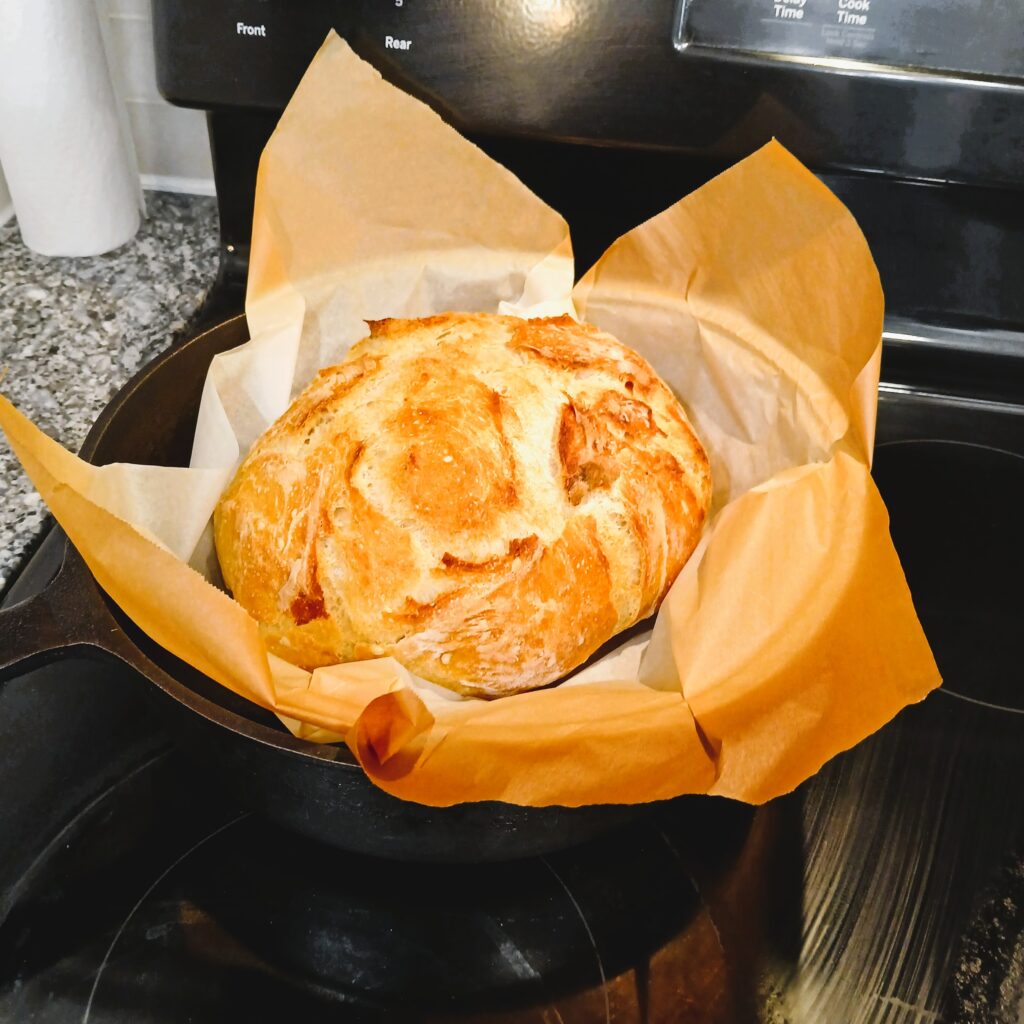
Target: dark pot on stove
{"x": 318, "y": 790}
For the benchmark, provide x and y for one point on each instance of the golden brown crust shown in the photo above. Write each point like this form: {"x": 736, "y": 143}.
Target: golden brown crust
{"x": 487, "y": 499}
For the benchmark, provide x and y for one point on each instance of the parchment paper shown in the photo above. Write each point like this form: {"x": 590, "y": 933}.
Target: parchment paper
{"x": 790, "y": 634}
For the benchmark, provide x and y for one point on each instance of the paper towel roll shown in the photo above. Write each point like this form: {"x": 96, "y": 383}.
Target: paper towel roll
{"x": 6, "y": 209}
{"x": 70, "y": 167}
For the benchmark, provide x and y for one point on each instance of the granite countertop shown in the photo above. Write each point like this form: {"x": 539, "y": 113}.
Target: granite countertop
{"x": 72, "y": 331}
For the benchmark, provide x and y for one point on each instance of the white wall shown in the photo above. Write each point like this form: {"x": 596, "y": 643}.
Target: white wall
{"x": 171, "y": 142}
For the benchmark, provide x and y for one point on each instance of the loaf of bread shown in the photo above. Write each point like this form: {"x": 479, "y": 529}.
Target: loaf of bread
{"x": 484, "y": 498}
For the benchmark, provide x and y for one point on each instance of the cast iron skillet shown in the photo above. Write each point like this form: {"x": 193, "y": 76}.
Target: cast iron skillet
{"x": 311, "y": 788}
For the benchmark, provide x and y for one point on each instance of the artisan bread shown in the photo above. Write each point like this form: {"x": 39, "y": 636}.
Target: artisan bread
{"x": 484, "y": 498}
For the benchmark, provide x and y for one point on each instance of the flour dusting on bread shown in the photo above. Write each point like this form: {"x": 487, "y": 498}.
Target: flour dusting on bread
{"x": 484, "y": 498}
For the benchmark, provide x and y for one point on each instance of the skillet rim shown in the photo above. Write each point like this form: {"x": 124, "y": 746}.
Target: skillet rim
{"x": 136, "y": 656}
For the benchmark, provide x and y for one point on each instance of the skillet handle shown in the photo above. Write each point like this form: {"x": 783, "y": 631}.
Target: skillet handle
{"x": 67, "y": 618}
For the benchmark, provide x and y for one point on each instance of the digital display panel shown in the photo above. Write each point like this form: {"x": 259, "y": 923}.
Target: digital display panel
{"x": 979, "y": 37}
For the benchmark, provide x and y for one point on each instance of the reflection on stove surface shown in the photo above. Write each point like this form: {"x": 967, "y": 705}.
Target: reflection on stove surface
{"x": 907, "y": 841}
{"x": 242, "y": 921}
{"x": 888, "y": 888}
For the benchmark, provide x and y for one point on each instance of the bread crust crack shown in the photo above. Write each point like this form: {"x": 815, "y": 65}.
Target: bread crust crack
{"x": 486, "y": 499}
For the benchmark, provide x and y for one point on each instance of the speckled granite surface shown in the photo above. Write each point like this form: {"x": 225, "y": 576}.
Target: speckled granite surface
{"x": 72, "y": 331}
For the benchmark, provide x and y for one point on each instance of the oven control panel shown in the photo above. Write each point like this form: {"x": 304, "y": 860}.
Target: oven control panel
{"x": 925, "y": 89}
{"x": 239, "y": 53}
{"x": 974, "y": 37}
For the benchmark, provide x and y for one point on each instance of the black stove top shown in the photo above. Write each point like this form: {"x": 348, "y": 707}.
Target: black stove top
{"x": 890, "y": 887}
